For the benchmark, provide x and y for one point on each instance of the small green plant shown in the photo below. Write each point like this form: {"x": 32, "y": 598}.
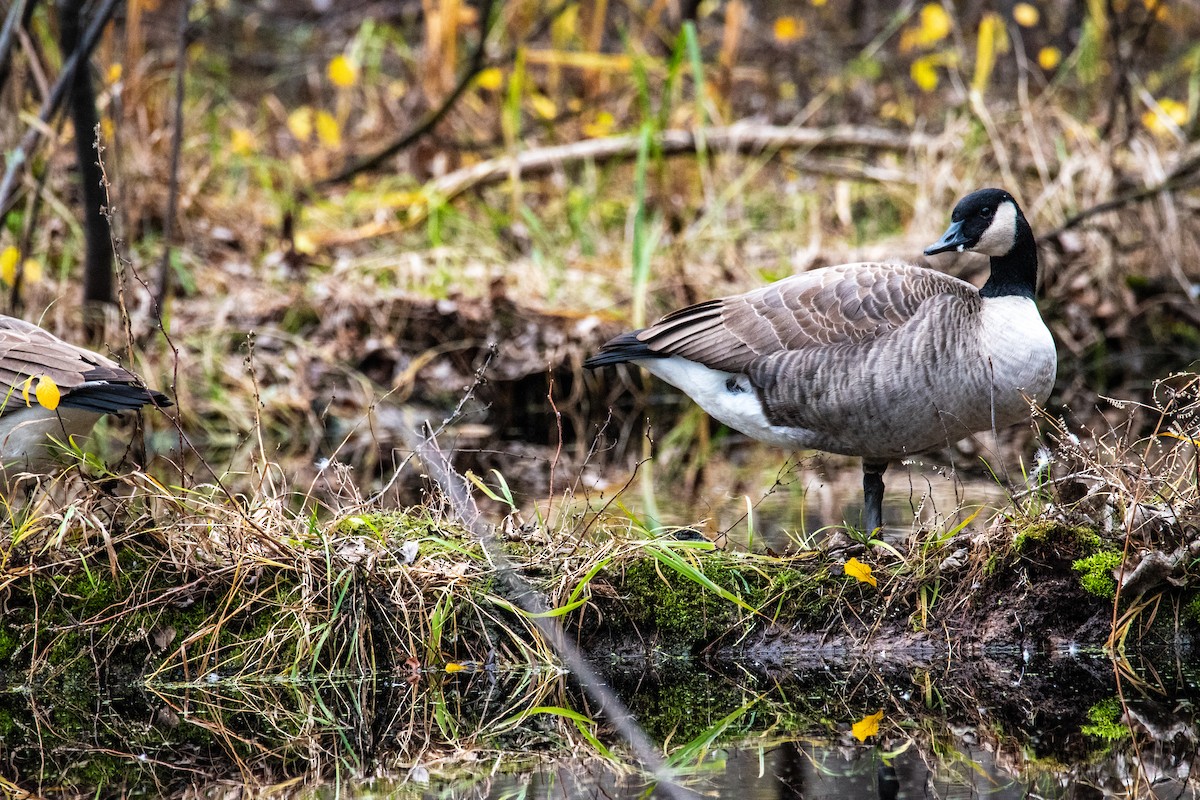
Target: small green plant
{"x": 1105, "y": 721}
{"x": 1096, "y": 573}
{"x": 1192, "y": 610}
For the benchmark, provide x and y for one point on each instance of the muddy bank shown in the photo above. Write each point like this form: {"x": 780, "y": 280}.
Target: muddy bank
{"x": 407, "y": 591}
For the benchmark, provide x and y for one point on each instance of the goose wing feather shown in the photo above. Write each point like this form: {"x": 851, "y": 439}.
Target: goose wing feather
{"x": 852, "y": 304}
{"x": 29, "y": 351}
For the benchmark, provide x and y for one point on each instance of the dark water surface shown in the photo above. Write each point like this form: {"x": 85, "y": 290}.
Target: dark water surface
{"x": 1009, "y": 725}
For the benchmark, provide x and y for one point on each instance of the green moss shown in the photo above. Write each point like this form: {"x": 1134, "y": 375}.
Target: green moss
{"x": 1191, "y": 610}
{"x": 1052, "y": 545}
{"x": 1105, "y": 721}
{"x": 1095, "y": 573}
{"x": 1050, "y": 534}
{"x": 685, "y": 613}
{"x": 8, "y": 645}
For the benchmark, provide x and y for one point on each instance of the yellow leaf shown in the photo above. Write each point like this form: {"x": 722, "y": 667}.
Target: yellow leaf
{"x": 1173, "y": 111}
{"x": 818, "y": 3}
{"x": 300, "y": 123}
{"x": 601, "y": 126}
{"x": 933, "y": 26}
{"x": 241, "y": 141}
{"x": 856, "y": 569}
{"x": 342, "y": 71}
{"x": 304, "y": 244}
{"x": 1026, "y": 15}
{"x": 1049, "y": 58}
{"x": 789, "y": 29}
{"x": 867, "y": 726}
{"x": 543, "y": 106}
{"x": 327, "y": 130}
{"x": 992, "y": 39}
{"x": 491, "y": 79}
{"x": 47, "y": 393}
{"x": 25, "y": 385}
{"x": 31, "y": 270}
{"x": 455, "y": 667}
{"x": 924, "y": 74}
{"x": 8, "y": 264}
{"x": 114, "y": 73}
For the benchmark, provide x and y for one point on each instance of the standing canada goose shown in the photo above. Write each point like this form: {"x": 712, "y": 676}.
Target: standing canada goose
{"x": 880, "y": 361}
{"x": 53, "y": 390}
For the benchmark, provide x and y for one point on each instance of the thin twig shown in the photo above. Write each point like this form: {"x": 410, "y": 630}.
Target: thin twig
{"x": 432, "y": 118}
{"x": 163, "y": 288}
{"x": 21, "y": 153}
{"x": 7, "y": 36}
{"x": 1185, "y": 174}
{"x": 458, "y": 494}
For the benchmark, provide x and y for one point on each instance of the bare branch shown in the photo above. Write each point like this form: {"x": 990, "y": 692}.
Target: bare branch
{"x": 740, "y": 137}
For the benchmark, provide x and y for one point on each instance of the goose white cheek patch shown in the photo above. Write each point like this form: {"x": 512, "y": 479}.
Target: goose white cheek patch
{"x": 1001, "y": 235}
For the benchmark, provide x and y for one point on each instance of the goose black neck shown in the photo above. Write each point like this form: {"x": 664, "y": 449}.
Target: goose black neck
{"x": 1015, "y": 273}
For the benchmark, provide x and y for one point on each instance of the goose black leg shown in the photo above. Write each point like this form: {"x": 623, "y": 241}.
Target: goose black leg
{"x": 873, "y": 495}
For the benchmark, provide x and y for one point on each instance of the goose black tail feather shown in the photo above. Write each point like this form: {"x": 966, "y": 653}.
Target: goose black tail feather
{"x": 113, "y": 398}
{"x": 623, "y": 348}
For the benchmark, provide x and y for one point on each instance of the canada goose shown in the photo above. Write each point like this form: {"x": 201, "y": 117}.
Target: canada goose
{"x": 880, "y": 361}
{"x": 82, "y": 387}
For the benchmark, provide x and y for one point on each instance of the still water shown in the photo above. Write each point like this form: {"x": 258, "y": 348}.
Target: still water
{"x": 1052, "y": 726}
{"x": 1006, "y": 725}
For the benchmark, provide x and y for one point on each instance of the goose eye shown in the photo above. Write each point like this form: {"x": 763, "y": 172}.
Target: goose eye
{"x": 986, "y": 212}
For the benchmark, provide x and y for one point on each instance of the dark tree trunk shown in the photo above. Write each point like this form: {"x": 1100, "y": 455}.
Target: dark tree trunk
{"x": 98, "y": 266}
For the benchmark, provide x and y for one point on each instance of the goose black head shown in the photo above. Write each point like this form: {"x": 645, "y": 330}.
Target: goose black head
{"x": 987, "y": 221}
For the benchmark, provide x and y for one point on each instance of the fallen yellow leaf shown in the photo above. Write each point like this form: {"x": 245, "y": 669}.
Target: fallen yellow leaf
{"x": 300, "y": 123}
{"x": 327, "y": 130}
{"x": 1026, "y": 15}
{"x": 1173, "y": 110}
{"x": 47, "y": 393}
{"x": 491, "y": 79}
{"x": 31, "y": 270}
{"x": 933, "y": 25}
{"x": 342, "y": 71}
{"x": 114, "y": 73}
{"x": 601, "y": 126}
{"x": 304, "y": 244}
{"x": 241, "y": 141}
{"x": 788, "y": 29}
{"x": 856, "y": 569}
{"x": 543, "y": 106}
{"x": 454, "y": 667}
{"x": 924, "y": 73}
{"x": 9, "y": 257}
{"x": 867, "y": 726}
{"x": 1049, "y": 58}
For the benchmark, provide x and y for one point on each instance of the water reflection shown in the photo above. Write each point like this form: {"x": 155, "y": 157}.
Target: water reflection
{"x": 1007, "y": 725}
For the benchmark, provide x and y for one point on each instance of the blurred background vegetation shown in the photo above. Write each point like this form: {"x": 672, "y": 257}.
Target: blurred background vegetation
{"x": 343, "y": 211}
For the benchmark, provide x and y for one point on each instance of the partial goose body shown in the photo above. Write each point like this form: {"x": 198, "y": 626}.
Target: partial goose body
{"x": 874, "y": 360}
{"x": 89, "y": 386}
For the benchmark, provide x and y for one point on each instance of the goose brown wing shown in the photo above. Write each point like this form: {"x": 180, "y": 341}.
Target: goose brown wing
{"x": 844, "y": 305}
